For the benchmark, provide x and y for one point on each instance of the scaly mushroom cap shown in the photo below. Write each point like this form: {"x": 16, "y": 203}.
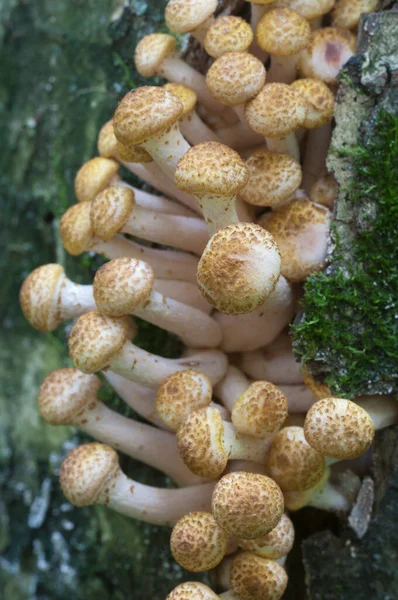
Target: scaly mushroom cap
{"x": 276, "y": 111}
{"x": 145, "y": 112}
{"x": 247, "y": 505}
{"x": 180, "y": 394}
{"x": 87, "y": 471}
{"x": 260, "y": 410}
{"x": 106, "y": 141}
{"x": 239, "y": 268}
{"x": 183, "y": 16}
{"x": 151, "y": 51}
{"x": 121, "y": 285}
{"x": 192, "y": 590}
{"x": 94, "y": 176}
{"x": 211, "y": 168}
{"x": 256, "y": 578}
{"x": 200, "y": 440}
{"x": 275, "y": 544}
{"x": 301, "y": 230}
{"x": 39, "y": 297}
{"x": 132, "y": 154}
{"x": 346, "y": 13}
{"x": 75, "y": 229}
{"x": 328, "y": 50}
{"x": 338, "y": 428}
{"x": 110, "y": 211}
{"x": 292, "y": 462}
{"x": 283, "y": 32}
{"x": 197, "y": 542}
{"x": 273, "y": 178}
{"x": 325, "y": 190}
{"x": 95, "y": 338}
{"x": 64, "y": 393}
{"x": 228, "y": 34}
{"x": 320, "y": 101}
{"x": 309, "y": 9}
{"x": 235, "y": 78}
{"x": 187, "y": 97}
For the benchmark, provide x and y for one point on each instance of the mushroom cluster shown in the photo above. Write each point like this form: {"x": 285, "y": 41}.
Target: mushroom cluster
{"x": 240, "y": 215}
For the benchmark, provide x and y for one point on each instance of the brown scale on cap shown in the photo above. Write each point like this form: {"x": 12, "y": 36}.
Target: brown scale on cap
{"x": 228, "y": 34}
{"x": 309, "y": 9}
{"x": 151, "y": 51}
{"x": 181, "y": 394}
{"x": 192, "y": 590}
{"x": 275, "y": 544}
{"x": 273, "y": 178}
{"x": 260, "y": 411}
{"x": 346, "y": 13}
{"x": 75, "y": 229}
{"x": 183, "y": 16}
{"x": 320, "y": 101}
{"x": 247, "y": 505}
{"x": 145, "y": 112}
{"x": 256, "y": 578}
{"x": 338, "y": 428}
{"x": 197, "y": 542}
{"x": 292, "y": 462}
{"x": 39, "y": 297}
{"x": 235, "y": 78}
{"x": 325, "y": 190}
{"x": 239, "y": 268}
{"x": 94, "y": 176}
{"x": 187, "y": 97}
{"x": 110, "y": 210}
{"x": 282, "y": 32}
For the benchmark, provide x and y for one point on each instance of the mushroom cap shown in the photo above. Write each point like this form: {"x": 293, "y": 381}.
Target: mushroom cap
{"x": 211, "y": 168}
{"x": 338, "y": 428}
{"x": 320, "y": 101}
{"x": 276, "y": 111}
{"x": 200, "y": 440}
{"x": 151, "y": 51}
{"x": 106, "y": 141}
{"x": 283, "y": 32}
{"x": 256, "y": 578}
{"x": 40, "y": 295}
{"x": 301, "y": 230}
{"x": 145, "y": 112}
{"x": 180, "y": 394}
{"x": 228, "y": 34}
{"x": 346, "y": 13}
{"x": 121, "y": 285}
{"x": 309, "y": 9}
{"x": 95, "y": 338}
{"x": 192, "y": 590}
{"x": 247, "y": 505}
{"x": 275, "y": 544}
{"x": 110, "y": 211}
{"x": 132, "y": 154}
{"x": 94, "y": 176}
{"x": 273, "y": 178}
{"x": 235, "y": 78}
{"x": 297, "y": 500}
{"x": 328, "y": 50}
{"x": 187, "y": 97}
{"x": 183, "y": 16}
{"x": 261, "y": 2}
{"x": 260, "y": 411}
{"x": 197, "y": 542}
{"x": 292, "y": 462}
{"x": 64, "y": 393}
{"x": 325, "y": 190}
{"x": 75, "y": 229}
{"x": 239, "y": 268}
{"x": 86, "y": 471}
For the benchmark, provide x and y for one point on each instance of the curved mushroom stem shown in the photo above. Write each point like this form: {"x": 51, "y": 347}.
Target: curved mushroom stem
{"x": 316, "y": 151}
{"x": 196, "y": 131}
{"x": 231, "y": 387}
{"x": 183, "y": 291}
{"x": 75, "y": 300}
{"x": 383, "y": 410}
{"x": 284, "y": 145}
{"x": 323, "y": 495}
{"x": 155, "y": 203}
{"x": 167, "y": 149}
{"x": 299, "y": 398}
{"x": 218, "y": 210}
{"x": 283, "y": 69}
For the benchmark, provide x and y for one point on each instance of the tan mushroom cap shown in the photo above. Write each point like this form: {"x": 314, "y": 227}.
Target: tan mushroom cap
{"x": 183, "y": 16}
{"x": 95, "y": 338}
{"x": 325, "y": 190}
{"x": 276, "y": 111}
{"x": 292, "y": 462}
{"x": 151, "y": 51}
{"x": 187, "y": 96}
{"x": 239, "y": 268}
{"x": 132, "y": 154}
{"x": 110, "y": 211}
{"x": 261, "y": 2}
{"x": 320, "y": 101}
{"x": 106, "y": 141}
{"x": 121, "y": 285}
{"x": 76, "y": 232}
{"x": 228, "y": 34}
{"x": 282, "y": 32}
{"x": 145, "y": 112}
{"x": 338, "y": 428}
{"x": 94, "y": 176}
{"x": 247, "y": 505}
{"x": 235, "y": 78}
{"x": 260, "y": 411}
{"x": 180, "y": 394}
{"x": 346, "y": 13}
{"x": 192, "y": 590}
{"x": 256, "y": 578}
{"x": 86, "y": 471}
{"x": 309, "y": 9}
{"x": 197, "y": 542}
{"x": 39, "y": 296}
{"x": 273, "y": 178}
{"x": 275, "y": 544}
{"x": 64, "y": 393}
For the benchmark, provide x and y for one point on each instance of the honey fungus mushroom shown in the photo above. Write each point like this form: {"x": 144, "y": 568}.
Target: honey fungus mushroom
{"x": 256, "y": 578}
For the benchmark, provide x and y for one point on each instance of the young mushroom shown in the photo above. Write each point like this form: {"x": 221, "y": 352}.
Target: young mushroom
{"x": 94, "y": 176}
{"x": 90, "y": 474}
{"x": 311, "y": 10}
{"x": 192, "y": 590}
{"x": 324, "y": 190}
{"x": 346, "y": 13}
{"x": 276, "y": 544}
{"x": 256, "y": 578}
{"x": 190, "y": 16}
{"x": 228, "y": 34}
{"x": 260, "y": 411}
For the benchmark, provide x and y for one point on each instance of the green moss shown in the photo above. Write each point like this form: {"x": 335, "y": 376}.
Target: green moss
{"x": 351, "y": 316}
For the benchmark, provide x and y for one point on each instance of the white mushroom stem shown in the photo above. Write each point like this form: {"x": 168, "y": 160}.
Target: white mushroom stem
{"x": 74, "y": 299}
{"x": 284, "y": 145}
{"x": 299, "y": 398}
{"x": 251, "y": 138}
{"x": 183, "y": 291}
{"x": 258, "y": 11}
{"x": 234, "y": 138}
{"x": 200, "y": 32}
{"x": 229, "y": 595}
{"x": 283, "y": 69}
{"x": 167, "y": 149}
{"x": 328, "y": 497}
{"x": 233, "y": 385}
{"x": 196, "y": 131}
{"x": 218, "y": 210}
{"x": 383, "y": 410}
{"x": 316, "y": 150}
{"x": 155, "y": 203}
{"x": 243, "y": 446}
